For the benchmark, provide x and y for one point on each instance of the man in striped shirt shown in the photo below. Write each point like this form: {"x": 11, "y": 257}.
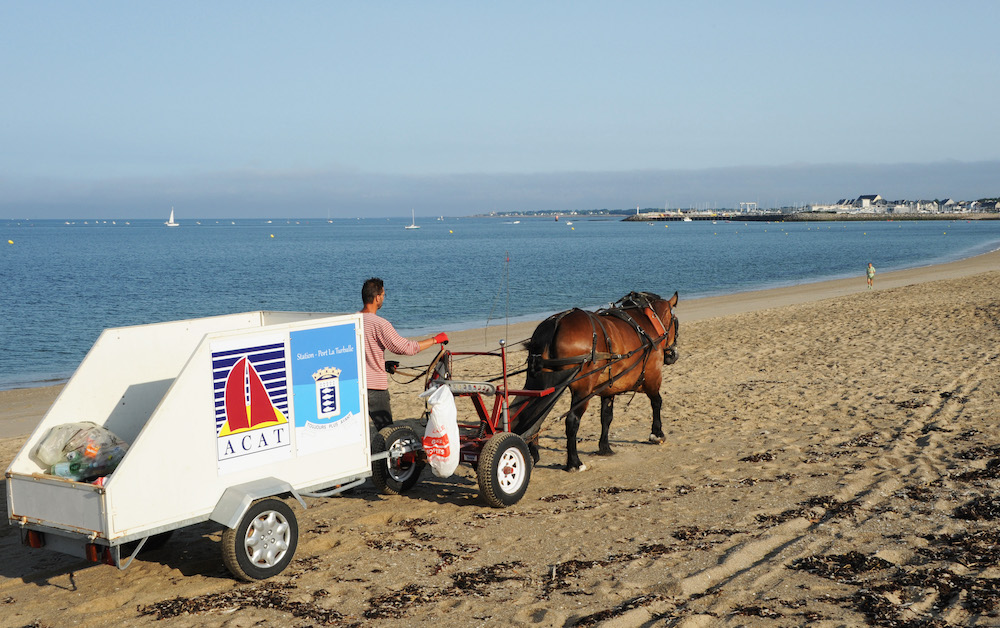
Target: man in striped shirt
{"x": 380, "y": 336}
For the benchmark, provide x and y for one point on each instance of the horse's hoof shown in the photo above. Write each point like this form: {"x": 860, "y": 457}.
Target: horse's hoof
{"x": 606, "y": 452}
{"x": 579, "y": 469}
{"x": 656, "y": 440}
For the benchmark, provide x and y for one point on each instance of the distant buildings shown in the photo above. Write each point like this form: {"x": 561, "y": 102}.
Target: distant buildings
{"x": 875, "y": 204}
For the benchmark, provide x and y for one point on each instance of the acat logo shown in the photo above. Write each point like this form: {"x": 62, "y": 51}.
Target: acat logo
{"x": 253, "y": 423}
{"x": 251, "y": 442}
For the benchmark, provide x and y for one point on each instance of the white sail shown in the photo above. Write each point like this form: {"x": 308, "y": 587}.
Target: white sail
{"x": 170, "y": 222}
{"x": 413, "y": 222}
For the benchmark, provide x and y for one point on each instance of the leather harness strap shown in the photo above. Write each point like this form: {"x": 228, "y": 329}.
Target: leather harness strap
{"x": 657, "y": 324}
{"x": 633, "y": 300}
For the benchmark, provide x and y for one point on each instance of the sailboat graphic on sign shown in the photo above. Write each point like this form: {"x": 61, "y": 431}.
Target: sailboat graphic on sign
{"x": 248, "y": 406}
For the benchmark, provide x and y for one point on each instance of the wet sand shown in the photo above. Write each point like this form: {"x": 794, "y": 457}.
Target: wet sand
{"x": 832, "y": 459}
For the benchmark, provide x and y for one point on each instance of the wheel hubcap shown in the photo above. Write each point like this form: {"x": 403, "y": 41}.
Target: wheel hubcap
{"x": 267, "y": 539}
{"x": 510, "y": 471}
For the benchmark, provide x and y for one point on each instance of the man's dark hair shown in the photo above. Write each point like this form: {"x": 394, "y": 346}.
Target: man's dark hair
{"x": 372, "y": 288}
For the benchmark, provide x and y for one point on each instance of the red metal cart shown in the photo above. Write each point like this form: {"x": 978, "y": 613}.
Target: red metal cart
{"x": 500, "y": 456}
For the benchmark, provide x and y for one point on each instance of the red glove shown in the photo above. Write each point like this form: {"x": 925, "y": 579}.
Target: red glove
{"x": 441, "y": 338}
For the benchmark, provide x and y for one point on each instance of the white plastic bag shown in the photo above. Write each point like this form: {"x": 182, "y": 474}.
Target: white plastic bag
{"x": 441, "y": 440}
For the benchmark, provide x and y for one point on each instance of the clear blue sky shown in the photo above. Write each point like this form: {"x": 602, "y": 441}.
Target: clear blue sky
{"x": 377, "y": 107}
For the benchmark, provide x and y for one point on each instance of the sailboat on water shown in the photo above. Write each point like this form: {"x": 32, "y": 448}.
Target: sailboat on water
{"x": 170, "y": 222}
{"x": 413, "y": 221}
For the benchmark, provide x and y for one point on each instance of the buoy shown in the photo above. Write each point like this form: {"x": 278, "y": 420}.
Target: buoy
{"x": 10, "y": 242}
{"x": 572, "y": 228}
{"x": 450, "y": 231}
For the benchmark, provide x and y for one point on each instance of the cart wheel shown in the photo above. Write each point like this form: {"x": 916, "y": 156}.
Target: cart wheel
{"x": 263, "y": 542}
{"x": 504, "y": 470}
{"x": 401, "y": 470}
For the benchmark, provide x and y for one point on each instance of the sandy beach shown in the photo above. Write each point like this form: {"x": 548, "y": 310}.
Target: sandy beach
{"x": 831, "y": 460}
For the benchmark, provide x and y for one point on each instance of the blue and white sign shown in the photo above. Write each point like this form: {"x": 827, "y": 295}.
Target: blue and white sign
{"x": 326, "y": 388}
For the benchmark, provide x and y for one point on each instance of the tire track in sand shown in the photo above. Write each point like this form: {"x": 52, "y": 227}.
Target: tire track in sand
{"x": 919, "y": 451}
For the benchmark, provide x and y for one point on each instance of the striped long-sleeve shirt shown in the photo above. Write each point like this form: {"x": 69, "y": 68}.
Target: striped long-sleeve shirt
{"x": 381, "y": 336}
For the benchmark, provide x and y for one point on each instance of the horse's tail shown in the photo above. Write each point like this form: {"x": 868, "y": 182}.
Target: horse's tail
{"x": 538, "y": 345}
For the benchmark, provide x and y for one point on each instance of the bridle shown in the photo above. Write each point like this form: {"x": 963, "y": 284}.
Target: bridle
{"x": 643, "y": 301}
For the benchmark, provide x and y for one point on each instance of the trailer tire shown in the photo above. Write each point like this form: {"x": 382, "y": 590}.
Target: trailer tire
{"x": 504, "y": 470}
{"x": 395, "y": 476}
{"x": 263, "y": 542}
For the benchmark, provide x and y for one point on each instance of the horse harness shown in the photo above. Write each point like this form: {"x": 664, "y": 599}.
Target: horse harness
{"x": 633, "y": 300}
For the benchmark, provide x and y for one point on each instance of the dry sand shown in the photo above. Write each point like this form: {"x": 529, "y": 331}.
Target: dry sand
{"x": 831, "y": 460}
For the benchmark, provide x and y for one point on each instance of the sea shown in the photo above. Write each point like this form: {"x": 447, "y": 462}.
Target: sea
{"x": 63, "y": 282}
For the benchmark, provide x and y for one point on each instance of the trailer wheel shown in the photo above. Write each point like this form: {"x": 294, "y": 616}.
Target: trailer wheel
{"x": 401, "y": 470}
{"x": 504, "y": 470}
{"x": 263, "y": 542}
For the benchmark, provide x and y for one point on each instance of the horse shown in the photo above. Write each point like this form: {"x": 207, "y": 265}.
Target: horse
{"x": 605, "y": 353}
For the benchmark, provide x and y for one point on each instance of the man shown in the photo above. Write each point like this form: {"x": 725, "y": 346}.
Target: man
{"x": 870, "y": 271}
{"x": 380, "y": 336}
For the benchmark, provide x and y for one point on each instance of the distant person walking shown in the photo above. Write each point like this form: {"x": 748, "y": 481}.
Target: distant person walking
{"x": 871, "y": 275}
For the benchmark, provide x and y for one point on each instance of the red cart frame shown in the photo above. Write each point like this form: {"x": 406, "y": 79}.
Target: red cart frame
{"x": 501, "y": 457}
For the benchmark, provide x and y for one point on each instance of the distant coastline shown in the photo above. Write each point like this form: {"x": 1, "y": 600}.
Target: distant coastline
{"x": 803, "y": 217}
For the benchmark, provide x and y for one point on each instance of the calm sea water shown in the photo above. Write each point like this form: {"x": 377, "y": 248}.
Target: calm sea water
{"x": 60, "y": 284}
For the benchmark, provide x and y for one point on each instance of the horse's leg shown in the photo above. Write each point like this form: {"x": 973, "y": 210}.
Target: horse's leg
{"x": 656, "y": 402}
{"x": 607, "y": 415}
{"x": 572, "y": 427}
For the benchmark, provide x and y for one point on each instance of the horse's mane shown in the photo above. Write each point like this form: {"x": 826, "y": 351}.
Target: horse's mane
{"x": 637, "y": 299}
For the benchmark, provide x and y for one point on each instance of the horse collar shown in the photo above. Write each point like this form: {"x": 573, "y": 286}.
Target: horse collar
{"x": 654, "y": 318}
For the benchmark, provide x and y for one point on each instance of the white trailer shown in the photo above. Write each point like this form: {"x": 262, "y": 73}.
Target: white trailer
{"x": 225, "y": 418}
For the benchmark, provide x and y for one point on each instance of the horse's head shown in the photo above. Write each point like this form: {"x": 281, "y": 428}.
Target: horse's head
{"x": 664, "y": 308}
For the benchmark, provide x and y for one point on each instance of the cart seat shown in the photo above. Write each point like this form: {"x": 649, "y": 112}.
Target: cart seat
{"x": 459, "y": 387}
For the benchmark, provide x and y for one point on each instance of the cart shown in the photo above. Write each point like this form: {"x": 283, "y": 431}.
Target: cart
{"x": 227, "y": 418}
{"x": 501, "y": 457}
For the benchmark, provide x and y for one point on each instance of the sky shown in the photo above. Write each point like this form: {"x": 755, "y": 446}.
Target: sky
{"x": 299, "y": 109}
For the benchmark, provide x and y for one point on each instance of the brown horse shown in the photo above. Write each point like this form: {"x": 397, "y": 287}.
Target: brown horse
{"x": 605, "y": 353}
